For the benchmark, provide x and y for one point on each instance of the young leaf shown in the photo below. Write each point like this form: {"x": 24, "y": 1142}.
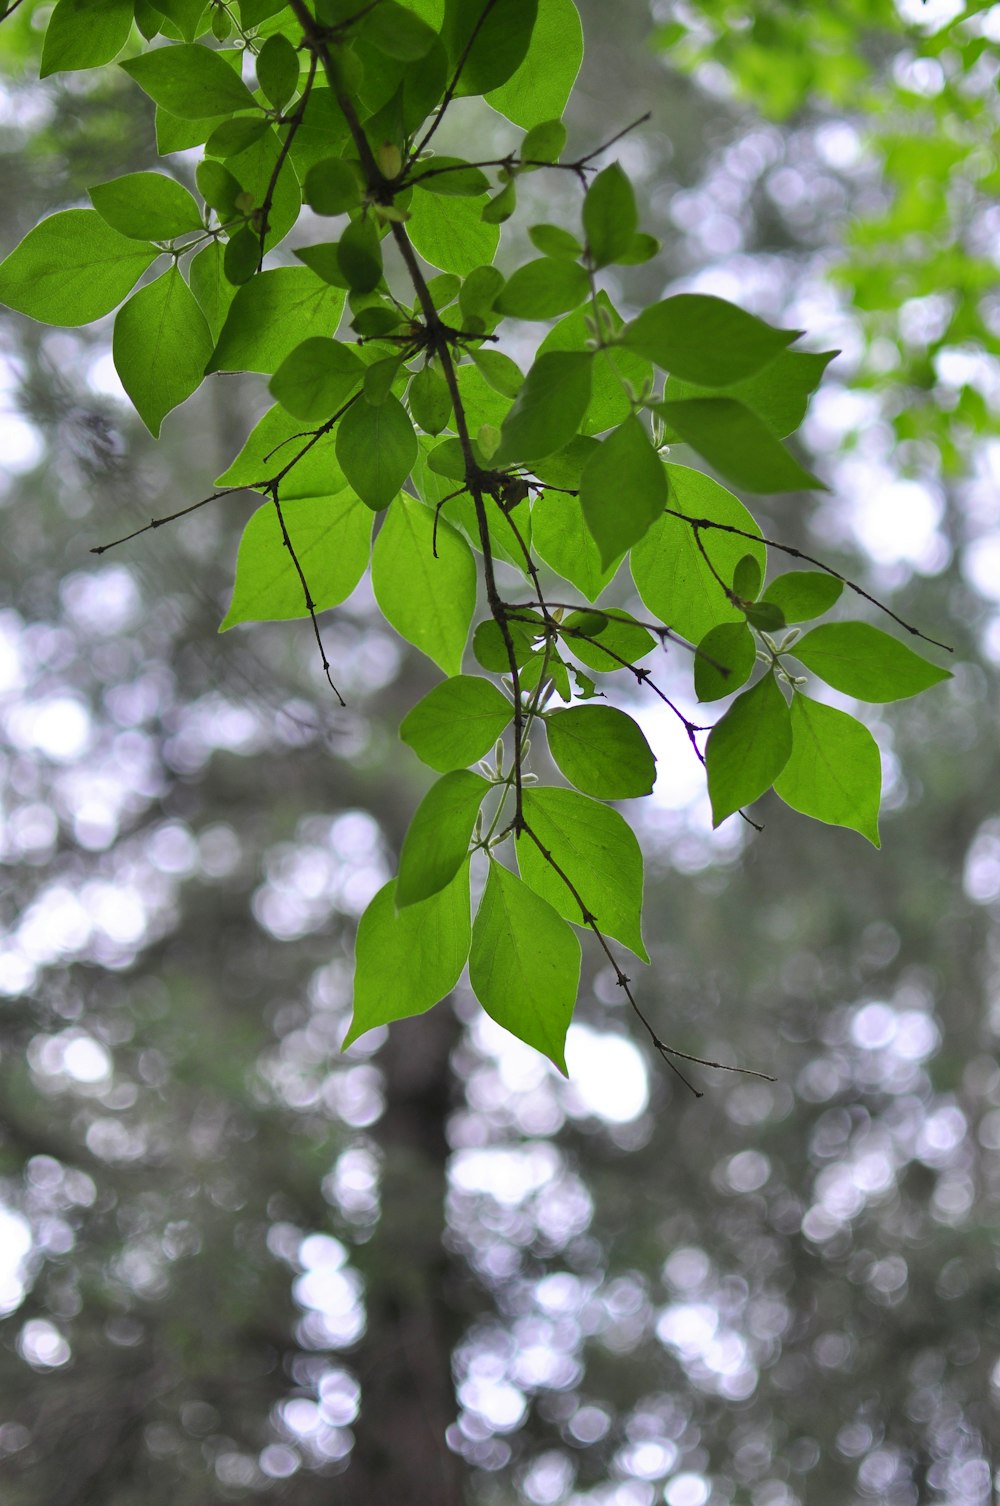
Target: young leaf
{"x": 85, "y": 34}
{"x": 437, "y": 843}
{"x": 747, "y": 578}
{"x": 331, "y": 537}
{"x": 397, "y": 32}
{"x": 541, "y": 86}
{"x": 72, "y": 268}
{"x": 598, "y": 852}
{"x": 190, "y": 81}
{"x": 724, "y": 661}
{"x": 748, "y": 748}
{"x": 376, "y": 447}
{"x": 803, "y": 594}
{"x": 602, "y": 751}
{"x": 241, "y": 257}
{"x": 161, "y": 343}
{"x": 332, "y": 187}
{"x": 317, "y": 378}
{"x": 457, "y": 722}
{"x": 553, "y": 240}
{"x": 864, "y": 662}
{"x": 408, "y": 960}
{"x": 502, "y": 374}
{"x": 146, "y": 206}
{"x": 542, "y": 289}
{"x": 610, "y": 216}
{"x": 616, "y": 369}
{"x": 271, "y": 315}
{"x": 834, "y": 771}
{"x": 490, "y": 649}
{"x": 278, "y": 70}
{"x": 524, "y": 965}
{"x": 705, "y": 339}
{"x": 428, "y": 600}
{"x": 623, "y": 490}
{"x": 359, "y": 253}
{"x": 737, "y": 443}
{"x": 548, "y": 409}
{"x": 430, "y": 400}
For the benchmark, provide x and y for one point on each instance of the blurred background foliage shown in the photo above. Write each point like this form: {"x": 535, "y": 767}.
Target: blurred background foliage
{"x": 235, "y": 1265}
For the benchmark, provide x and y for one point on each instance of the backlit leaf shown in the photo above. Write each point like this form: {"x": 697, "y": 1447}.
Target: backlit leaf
{"x": 862, "y": 661}
{"x": 161, "y": 343}
{"x": 602, "y": 751}
{"x": 331, "y": 537}
{"x": 429, "y": 601}
{"x": 436, "y": 845}
{"x": 376, "y": 447}
{"x": 834, "y": 771}
{"x": 72, "y": 268}
{"x": 457, "y": 722}
{"x": 705, "y": 339}
{"x": 748, "y": 748}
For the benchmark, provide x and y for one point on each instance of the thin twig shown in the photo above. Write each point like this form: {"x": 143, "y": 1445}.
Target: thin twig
{"x": 170, "y": 518}
{"x": 449, "y": 93}
{"x": 809, "y": 559}
{"x": 307, "y": 594}
{"x": 293, "y": 124}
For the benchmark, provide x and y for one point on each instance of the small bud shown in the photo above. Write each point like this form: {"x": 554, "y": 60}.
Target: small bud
{"x": 389, "y": 159}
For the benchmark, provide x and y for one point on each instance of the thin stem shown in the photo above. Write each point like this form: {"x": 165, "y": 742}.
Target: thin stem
{"x": 170, "y": 518}
{"x": 307, "y": 594}
{"x": 449, "y": 93}
{"x": 293, "y": 123}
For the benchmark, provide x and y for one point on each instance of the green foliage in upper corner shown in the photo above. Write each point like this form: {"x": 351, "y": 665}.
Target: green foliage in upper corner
{"x": 393, "y": 399}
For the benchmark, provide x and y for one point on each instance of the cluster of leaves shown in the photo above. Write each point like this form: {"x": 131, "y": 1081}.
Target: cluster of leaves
{"x": 392, "y": 402}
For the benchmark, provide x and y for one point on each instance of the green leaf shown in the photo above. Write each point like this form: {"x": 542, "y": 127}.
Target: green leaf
{"x": 161, "y": 343}
{"x": 359, "y": 253}
{"x": 428, "y": 600}
{"x": 271, "y": 315}
{"x": 491, "y": 40}
{"x": 705, "y": 339}
{"x": 541, "y": 86}
{"x": 263, "y": 170}
{"x": 490, "y": 649}
{"x": 737, "y": 444}
{"x": 548, "y": 408}
{"x": 429, "y": 398}
{"x": 602, "y": 751}
{"x": 623, "y": 490}
{"x": 218, "y": 187}
{"x": 408, "y": 960}
{"x": 185, "y": 14}
{"x": 331, "y": 537}
{"x": 673, "y": 576}
{"x": 235, "y": 135}
{"x": 457, "y": 722}
{"x": 85, "y": 34}
{"x": 605, "y": 649}
{"x": 747, "y": 578}
{"x": 610, "y": 216}
{"x": 597, "y": 851}
{"x": 72, "y": 268}
{"x": 502, "y": 374}
{"x": 437, "y": 843}
{"x": 242, "y": 257}
{"x": 542, "y": 289}
{"x": 190, "y": 81}
{"x": 764, "y": 616}
{"x": 211, "y": 287}
{"x": 864, "y": 662}
{"x": 476, "y": 295}
{"x": 376, "y": 447}
{"x": 544, "y": 142}
{"x": 803, "y": 594}
{"x": 553, "y": 240}
{"x": 452, "y": 177}
{"x": 565, "y": 543}
{"x": 748, "y": 748}
{"x": 146, "y": 206}
{"x": 277, "y": 440}
{"x": 502, "y": 205}
{"x": 834, "y": 771}
{"x": 317, "y": 378}
{"x": 278, "y": 70}
{"x": 724, "y": 661}
{"x": 451, "y": 234}
{"x": 332, "y": 187}
{"x": 397, "y": 32}
{"x": 524, "y": 965}
{"x": 778, "y": 393}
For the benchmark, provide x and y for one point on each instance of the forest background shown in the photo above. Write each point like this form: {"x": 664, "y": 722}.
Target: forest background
{"x": 218, "y": 1234}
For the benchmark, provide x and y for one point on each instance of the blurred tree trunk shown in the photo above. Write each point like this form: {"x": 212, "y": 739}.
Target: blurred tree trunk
{"x": 404, "y": 1362}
